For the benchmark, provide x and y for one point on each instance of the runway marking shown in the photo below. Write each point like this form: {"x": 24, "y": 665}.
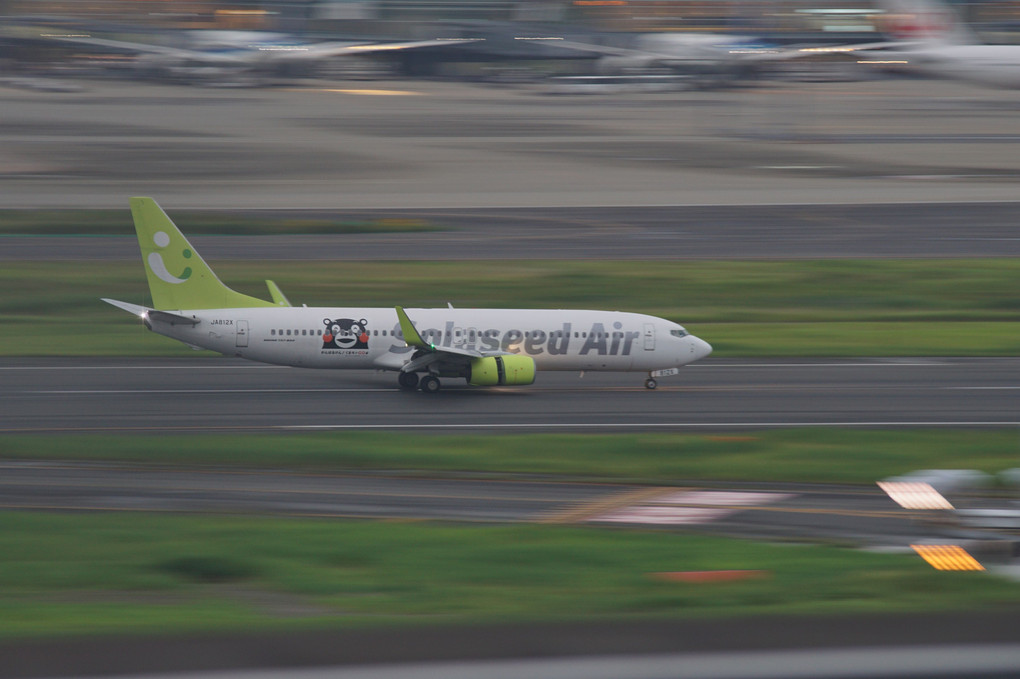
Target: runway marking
{"x": 366, "y": 390}
{"x": 677, "y": 425}
{"x": 231, "y": 512}
{"x": 851, "y": 364}
{"x": 157, "y": 366}
{"x": 70, "y": 392}
{"x": 689, "y": 507}
{"x": 496, "y": 426}
{"x": 585, "y": 510}
{"x": 367, "y": 92}
{"x": 980, "y": 388}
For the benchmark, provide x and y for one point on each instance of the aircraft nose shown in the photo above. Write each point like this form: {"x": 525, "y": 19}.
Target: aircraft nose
{"x": 701, "y": 348}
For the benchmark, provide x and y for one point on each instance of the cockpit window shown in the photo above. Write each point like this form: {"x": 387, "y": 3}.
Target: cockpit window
{"x": 678, "y": 332}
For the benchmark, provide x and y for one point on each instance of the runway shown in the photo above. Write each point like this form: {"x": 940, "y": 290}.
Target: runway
{"x": 674, "y": 233}
{"x": 465, "y": 145}
{"x": 851, "y": 514}
{"x": 223, "y": 395}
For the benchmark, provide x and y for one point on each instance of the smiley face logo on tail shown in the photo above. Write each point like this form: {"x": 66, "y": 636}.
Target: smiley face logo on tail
{"x": 158, "y": 266}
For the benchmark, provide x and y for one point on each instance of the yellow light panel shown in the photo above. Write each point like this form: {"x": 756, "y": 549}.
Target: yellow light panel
{"x": 948, "y": 557}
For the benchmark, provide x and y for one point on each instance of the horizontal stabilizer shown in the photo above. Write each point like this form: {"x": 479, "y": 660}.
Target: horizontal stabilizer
{"x": 172, "y": 319}
{"x": 145, "y": 313}
{"x": 135, "y": 309}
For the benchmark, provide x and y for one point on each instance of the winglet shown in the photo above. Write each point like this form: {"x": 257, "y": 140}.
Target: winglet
{"x": 279, "y": 299}
{"x": 410, "y": 333}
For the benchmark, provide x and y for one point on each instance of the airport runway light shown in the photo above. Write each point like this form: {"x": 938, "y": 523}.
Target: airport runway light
{"x": 914, "y": 495}
{"x": 948, "y": 557}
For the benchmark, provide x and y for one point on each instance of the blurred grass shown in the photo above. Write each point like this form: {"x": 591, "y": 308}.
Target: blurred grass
{"x": 794, "y": 455}
{"x": 811, "y": 308}
{"x": 93, "y": 574}
{"x": 118, "y": 223}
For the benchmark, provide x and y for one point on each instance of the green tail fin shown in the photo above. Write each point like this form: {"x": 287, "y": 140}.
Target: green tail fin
{"x": 178, "y": 276}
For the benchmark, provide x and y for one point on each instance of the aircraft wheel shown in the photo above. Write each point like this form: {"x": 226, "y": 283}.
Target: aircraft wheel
{"x": 650, "y": 383}
{"x": 429, "y": 384}
{"x": 407, "y": 380}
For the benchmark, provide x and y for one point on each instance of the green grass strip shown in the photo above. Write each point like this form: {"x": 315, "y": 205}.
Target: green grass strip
{"x": 811, "y": 308}
{"x": 804, "y": 455}
{"x": 93, "y": 574}
{"x": 118, "y": 223}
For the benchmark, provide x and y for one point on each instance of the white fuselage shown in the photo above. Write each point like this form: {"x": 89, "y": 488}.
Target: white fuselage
{"x": 989, "y": 65}
{"x": 370, "y": 338}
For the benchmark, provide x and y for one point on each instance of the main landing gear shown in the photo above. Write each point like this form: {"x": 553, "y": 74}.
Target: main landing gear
{"x": 650, "y": 383}
{"x": 429, "y": 384}
{"x": 409, "y": 381}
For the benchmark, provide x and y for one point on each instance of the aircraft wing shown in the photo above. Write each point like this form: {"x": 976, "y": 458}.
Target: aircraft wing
{"x": 602, "y": 49}
{"x": 428, "y": 353}
{"x": 146, "y": 48}
{"x": 683, "y": 54}
{"x": 736, "y": 51}
{"x": 328, "y": 49}
{"x": 806, "y": 51}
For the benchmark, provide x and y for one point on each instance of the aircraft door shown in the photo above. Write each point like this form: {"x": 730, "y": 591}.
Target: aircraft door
{"x": 242, "y": 333}
{"x": 649, "y": 336}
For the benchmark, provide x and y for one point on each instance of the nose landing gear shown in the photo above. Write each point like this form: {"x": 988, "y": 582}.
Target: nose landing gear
{"x": 650, "y": 383}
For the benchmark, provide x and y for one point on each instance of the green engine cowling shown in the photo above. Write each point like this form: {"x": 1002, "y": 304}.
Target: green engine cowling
{"x": 496, "y": 370}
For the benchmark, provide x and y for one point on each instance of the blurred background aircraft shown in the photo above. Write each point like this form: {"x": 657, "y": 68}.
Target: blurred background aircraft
{"x": 929, "y": 38}
{"x": 706, "y": 42}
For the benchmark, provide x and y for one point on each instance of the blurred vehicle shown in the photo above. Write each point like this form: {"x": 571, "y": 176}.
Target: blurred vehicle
{"x": 930, "y": 39}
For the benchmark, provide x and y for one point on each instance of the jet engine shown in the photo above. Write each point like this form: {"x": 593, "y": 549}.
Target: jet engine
{"x": 495, "y": 370}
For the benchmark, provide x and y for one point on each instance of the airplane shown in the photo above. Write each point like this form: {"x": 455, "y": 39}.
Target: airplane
{"x": 213, "y": 55}
{"x": 930, "y": 39}
{"x": 710, "y": 57}
{"x": 486, "y": 347}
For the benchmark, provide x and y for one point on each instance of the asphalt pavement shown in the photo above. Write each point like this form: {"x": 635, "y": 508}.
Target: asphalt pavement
{"x": 222, "y": 395}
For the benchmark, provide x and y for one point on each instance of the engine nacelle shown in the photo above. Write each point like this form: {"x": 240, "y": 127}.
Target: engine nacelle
{"x": 495, "y": 370}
